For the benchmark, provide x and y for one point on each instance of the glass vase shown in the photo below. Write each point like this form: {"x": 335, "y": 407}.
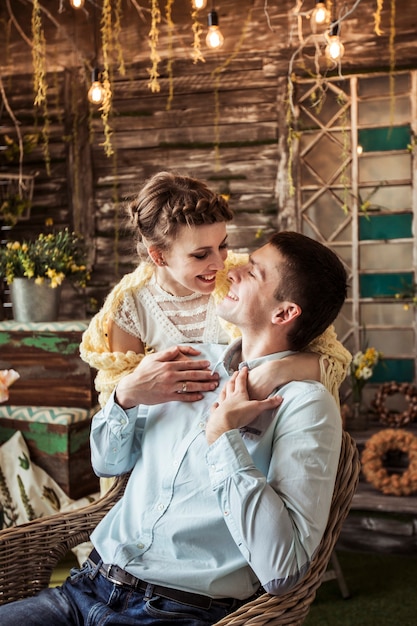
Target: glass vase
{"x": 359, "y": 416}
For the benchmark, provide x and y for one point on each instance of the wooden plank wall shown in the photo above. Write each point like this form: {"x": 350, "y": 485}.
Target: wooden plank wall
{"x": 147, "y": 138}
{"x": 85, "y": 189}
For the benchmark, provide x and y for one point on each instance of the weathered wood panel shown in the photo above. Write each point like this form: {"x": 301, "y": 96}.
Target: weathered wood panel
{"x": 63, "y": 451}
{"x": 51, "y": 370}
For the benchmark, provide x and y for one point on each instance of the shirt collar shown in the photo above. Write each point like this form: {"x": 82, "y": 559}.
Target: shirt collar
{"x": 226, "y": 359}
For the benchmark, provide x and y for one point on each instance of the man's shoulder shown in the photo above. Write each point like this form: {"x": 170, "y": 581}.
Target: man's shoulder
{"x": 307, "y": 401}
{"x": 297, "y": 390}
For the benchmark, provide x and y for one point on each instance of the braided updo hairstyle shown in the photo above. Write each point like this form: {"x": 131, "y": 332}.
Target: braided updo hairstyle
{"x": 168, "y": 201}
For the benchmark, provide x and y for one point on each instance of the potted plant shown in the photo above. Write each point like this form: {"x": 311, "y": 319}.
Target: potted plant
{"x": 35, "y": 271}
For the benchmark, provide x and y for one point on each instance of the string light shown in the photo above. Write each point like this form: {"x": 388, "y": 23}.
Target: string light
{"x": 199, "y": 4}
{"x": 214, "y": 37}
{"x": 334, "y": 49}
{"x": 320, "y": 16}
{"x": 77, "y": 4}
{"x": 96, "y": 91}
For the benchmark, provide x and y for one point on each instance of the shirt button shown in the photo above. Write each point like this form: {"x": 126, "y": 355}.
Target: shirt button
{"x": 226, "y": 513}
{"x": 202, "y": 425}
{"x": 140, "y": 546}
{"x": 160, "y": 507}
{"x": 123, "y": 421}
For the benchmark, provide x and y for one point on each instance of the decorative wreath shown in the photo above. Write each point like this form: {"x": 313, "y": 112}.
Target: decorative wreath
{"x": 373, "y": 468}
{"x": 391, "y": 418}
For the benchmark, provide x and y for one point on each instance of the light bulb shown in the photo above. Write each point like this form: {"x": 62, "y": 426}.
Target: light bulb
{"x": 334, "y": 49}
{"x": 96, "y": 91}
{"x": 199, "y": 4}
{"x": 77, "y": 4}
{"x": 214, "y": 37}
{"x": 320, "y": 16}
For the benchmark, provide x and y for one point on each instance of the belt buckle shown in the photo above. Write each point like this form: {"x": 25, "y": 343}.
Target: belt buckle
{"x": 111, "y": 578}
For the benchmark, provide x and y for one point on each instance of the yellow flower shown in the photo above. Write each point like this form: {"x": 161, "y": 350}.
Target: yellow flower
{"x": 55, "y": 256}
{"x": 361, "y": 369}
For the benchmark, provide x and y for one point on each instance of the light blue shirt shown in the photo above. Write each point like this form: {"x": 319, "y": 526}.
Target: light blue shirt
{"x": 219, "y": 520}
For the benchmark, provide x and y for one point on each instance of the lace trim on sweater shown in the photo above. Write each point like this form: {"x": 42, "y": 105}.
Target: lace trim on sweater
{"x": 182, "y": 319}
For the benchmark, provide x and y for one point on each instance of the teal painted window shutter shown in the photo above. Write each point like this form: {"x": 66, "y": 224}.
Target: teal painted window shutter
{"x": 393, "y": 226}
{"x": 385, "y": 138}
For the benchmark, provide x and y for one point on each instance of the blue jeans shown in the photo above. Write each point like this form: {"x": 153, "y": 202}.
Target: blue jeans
{"x": 88, "y": 598}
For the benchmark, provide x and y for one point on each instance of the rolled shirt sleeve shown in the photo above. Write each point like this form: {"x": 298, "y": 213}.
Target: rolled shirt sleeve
{"x": 116, "y": 437}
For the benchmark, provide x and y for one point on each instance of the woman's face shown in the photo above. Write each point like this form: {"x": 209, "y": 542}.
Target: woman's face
{"x": 193, "y": 260}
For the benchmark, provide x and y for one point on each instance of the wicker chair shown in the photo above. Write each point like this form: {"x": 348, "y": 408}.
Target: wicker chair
{"x": 30, "y": 552}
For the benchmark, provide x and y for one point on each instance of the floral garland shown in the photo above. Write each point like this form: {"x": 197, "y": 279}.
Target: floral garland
{"x": 372, "y": 462}
{"x": 390, "y": 418}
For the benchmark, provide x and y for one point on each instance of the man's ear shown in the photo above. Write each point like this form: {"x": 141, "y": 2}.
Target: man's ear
{"x": 285, "y": 313}
{"x": 156, "y": 255}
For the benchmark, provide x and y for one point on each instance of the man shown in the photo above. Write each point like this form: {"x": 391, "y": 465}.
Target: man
{"x": 226, "y": 494}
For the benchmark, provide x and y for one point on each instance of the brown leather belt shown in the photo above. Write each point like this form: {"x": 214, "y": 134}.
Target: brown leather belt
{"x": 119, "y": 576}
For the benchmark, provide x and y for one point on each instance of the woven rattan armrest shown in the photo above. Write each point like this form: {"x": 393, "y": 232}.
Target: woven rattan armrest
{"x": 30, "y": 552}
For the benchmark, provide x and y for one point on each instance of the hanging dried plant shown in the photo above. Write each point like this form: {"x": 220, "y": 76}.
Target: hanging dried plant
{"x": 110, "y": 41}
{"x": 38, "y": 55}
{"x": 345, "y": 156}
{"x": 153, "y": 43}
{"x": 292, "y": 136}
{"x": 106, "y": 30}
{"x": 117, "y": 28}
{"x": 168, "y": 14}
{"x": 39, "y": 78}
{"x": 197, "y": 28}
{"x": 45, "y": 140}
{"x": 105, "y": 113}
{"x": 392, "y": 61}
{"x": 377, "y": 17}
{"x": 106, "y": 42}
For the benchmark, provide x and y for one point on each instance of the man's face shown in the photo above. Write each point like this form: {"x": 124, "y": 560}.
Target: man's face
{"x": 250, "y": 301}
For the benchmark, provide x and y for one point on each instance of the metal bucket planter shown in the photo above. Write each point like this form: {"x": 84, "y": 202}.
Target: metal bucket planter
{"x": 34, "y": 303}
